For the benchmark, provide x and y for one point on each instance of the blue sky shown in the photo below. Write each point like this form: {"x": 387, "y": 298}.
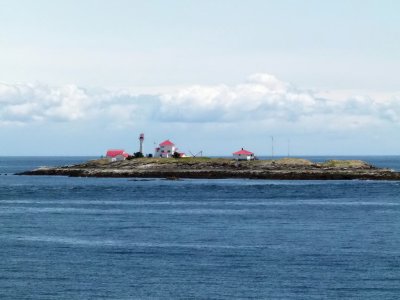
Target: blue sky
{"x": 78, "y": 77}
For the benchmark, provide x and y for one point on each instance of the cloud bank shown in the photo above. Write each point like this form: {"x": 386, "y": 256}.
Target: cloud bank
{"x": 261, "y": 98}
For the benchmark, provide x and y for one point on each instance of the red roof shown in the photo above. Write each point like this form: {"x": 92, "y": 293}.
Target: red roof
{"x": 167, "y": 143}
{"x": 116, "y": 152}
{"x": 243, "y": 152}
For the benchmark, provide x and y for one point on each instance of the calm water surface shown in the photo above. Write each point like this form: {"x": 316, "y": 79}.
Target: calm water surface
{"x": 88, "y": 238}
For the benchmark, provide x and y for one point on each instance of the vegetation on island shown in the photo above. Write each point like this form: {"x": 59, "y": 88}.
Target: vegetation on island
{"x": 201, "y": 162}
{"x": 176, "y": 155}
{"x": 210, "y": 168}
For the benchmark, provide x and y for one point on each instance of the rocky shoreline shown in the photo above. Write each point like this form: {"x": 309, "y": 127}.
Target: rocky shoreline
{"x": 219, "y": 168}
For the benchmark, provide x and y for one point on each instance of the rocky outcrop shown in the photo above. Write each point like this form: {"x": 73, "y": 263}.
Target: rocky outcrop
{"x": 289, "y": 169}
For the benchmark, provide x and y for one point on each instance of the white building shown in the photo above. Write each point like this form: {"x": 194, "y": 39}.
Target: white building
{"x": 243, "y": 155}
{"x": 116, "y": 154}
{"x": 166, "y": 149}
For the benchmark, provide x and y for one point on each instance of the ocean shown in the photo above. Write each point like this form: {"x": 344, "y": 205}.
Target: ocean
{"x": 99, "y": 238}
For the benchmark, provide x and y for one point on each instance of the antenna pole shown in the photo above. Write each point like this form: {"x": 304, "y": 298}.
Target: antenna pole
{"x": 272, "y": 146}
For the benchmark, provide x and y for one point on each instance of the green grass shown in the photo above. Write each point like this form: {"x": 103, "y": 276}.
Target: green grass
{"x": 194, "y": 160}
{"x": 227, "y": 161}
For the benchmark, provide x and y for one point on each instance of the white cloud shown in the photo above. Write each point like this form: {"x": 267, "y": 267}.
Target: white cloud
{"x": 27, "y": 103}
{"x": 39, "y": 103}
{"x": 262, "y": 98}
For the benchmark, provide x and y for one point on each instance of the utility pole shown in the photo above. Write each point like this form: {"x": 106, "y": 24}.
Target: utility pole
{"x": 288, "y": 147}
{"x": 272, "y": 146}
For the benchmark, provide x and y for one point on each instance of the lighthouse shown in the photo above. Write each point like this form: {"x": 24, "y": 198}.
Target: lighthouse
{"x": 141, "y": 139}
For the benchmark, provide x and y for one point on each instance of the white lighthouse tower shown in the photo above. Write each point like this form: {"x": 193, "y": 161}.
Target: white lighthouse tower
{"x": 141, "y": 139}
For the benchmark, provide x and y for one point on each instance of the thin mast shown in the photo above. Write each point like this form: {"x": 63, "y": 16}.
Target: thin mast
{"x": 272, "y": 146}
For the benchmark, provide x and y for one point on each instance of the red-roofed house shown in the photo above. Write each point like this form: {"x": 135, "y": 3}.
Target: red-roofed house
{"x": 116, "y": 154}
{"x": 243, "y": 155}
{"x": 166, "y": 149}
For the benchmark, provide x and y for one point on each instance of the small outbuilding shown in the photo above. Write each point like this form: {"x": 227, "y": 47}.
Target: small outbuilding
{"x": 116, "y": 154}
{"x": 243, "y": 155}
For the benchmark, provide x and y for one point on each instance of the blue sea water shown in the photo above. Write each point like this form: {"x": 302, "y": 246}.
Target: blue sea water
{"x": 89, "y": 238}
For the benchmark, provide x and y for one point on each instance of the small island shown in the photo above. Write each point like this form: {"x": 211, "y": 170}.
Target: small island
{"x": 220, "y": 168}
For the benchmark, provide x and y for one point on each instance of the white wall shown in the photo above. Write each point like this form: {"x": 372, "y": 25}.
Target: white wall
{"x": 243, "y": 157}
{"x": 169, "y": 149}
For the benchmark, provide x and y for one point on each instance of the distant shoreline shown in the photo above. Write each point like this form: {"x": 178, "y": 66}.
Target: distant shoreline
{"x": 222, "y": 168}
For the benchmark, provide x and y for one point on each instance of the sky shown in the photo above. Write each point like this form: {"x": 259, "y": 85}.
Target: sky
{"x": 80, "y": 77}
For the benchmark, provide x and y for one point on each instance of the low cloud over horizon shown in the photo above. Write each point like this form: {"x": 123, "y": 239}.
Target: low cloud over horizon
{"x": 261, "y": 97}
{"x": 261, "y": 103}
